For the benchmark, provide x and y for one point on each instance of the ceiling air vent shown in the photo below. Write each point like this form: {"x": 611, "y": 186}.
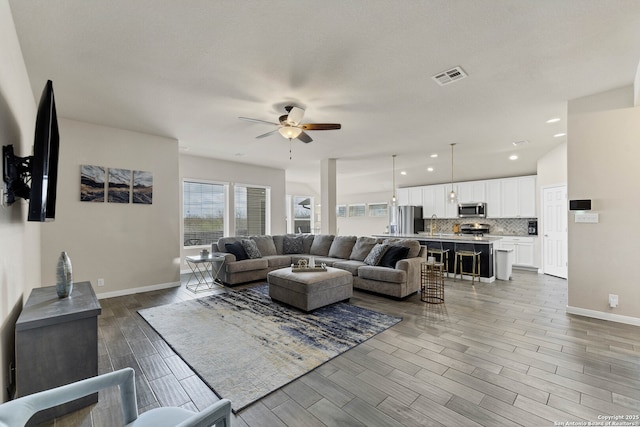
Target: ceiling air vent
{"x": 449, "y": 76}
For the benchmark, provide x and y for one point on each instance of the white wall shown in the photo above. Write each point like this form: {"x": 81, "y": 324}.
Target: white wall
{"x": 363, "y": 226}
{"x": 19, "y": 240}
{"x": 603, "y": 153}
{"x": 129, "y": 245}
{"x": 207, "y": 169}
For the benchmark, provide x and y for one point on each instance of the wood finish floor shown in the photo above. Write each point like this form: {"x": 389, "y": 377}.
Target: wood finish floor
{"x": 501, "y": 354}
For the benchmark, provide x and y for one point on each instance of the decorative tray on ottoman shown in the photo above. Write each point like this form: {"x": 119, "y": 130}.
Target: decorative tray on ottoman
{"x": 303, "y": 267}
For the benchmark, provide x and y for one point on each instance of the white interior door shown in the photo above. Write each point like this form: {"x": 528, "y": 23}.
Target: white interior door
{"x": 554, "y": 231}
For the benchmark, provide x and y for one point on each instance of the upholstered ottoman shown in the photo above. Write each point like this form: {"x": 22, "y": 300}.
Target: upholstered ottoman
{"x": 310, "y": 290}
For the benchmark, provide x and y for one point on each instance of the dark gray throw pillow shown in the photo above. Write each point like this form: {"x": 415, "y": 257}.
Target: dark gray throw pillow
{"x": 393, "y": 255}
{"x": 292, "y": 245}
{"x": 251, "y": 248}
{"x": 237, "y": 250}
{"x": 376, "y": 254}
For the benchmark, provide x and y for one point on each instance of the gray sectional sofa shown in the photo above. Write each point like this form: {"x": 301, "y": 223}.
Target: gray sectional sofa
{"x": 353, "y": 254}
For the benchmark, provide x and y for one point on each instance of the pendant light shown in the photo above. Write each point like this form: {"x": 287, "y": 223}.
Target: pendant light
{"x": 393, "y": 206}
{"x": 453, "y": 197}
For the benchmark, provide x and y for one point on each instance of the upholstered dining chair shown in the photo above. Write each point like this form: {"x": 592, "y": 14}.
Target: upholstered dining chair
{"x": 17, "y": 412}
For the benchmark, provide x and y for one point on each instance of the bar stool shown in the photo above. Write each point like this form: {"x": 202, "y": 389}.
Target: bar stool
{"x": 463, "y": 250}
{"x": 434, "y": 249}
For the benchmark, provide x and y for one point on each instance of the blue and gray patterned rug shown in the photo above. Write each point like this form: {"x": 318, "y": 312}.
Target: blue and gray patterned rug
{"x": 244, "y": 346}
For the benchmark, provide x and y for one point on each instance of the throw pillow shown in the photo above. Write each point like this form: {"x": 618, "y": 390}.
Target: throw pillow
{"x": 413, "y": 245}
{"x": 376, "y": 253}
{"x": 237, "y": 250}
{"x": 393, "y": 255}
{"x": 251, "y": 248}
{"x": 292, "y": 245}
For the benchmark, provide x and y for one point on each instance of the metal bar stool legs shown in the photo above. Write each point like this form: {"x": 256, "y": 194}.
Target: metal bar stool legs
{"x": 460, "y": 254}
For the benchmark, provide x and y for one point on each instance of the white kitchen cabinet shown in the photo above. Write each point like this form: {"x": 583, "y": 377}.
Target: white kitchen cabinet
{"x": 402, "y": 194}
{"x": 493, "y": 188}
{"x": 523, "y": 248}
{"x": 415, "y": 196}
{"x": 434, "y": 201}
{"x": 471, "y": 191}
{"x": 517, "y": 197}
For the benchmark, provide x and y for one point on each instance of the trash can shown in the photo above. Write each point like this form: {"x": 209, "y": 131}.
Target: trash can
{"x": 504, "y": 261}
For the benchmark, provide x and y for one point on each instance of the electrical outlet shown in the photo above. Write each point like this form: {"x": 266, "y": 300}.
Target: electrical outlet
{"x": 613, "y": 300}
{"x": 100, "y": 282}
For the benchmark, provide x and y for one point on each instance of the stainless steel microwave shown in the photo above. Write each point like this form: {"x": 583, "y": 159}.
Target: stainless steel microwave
{"x": 472, "y": 210}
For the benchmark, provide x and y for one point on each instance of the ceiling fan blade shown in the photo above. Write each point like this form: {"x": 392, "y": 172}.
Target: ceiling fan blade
{"x": 267, "y": 134}
{"x": 295, "y": 116}
{"x": 304, "y": 137}
{"x": 257, "y": 121}
{"x": 321, "y": 126}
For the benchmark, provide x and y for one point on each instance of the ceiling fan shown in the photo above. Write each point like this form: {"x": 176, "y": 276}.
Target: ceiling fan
{"x": 291, "y": 125}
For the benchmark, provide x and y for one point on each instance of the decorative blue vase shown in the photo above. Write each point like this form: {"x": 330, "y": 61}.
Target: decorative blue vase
{"x": 64, "y": 277}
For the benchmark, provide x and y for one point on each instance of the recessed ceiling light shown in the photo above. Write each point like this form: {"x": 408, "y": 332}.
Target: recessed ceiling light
{"x": 434, "y": 155}
{"x": 558, "y": 135}
{"x": 429, "y": 169}
{"x": 554, "y": 120}
{"x": 513, "y": 157}
{"x": 403, "y": 173}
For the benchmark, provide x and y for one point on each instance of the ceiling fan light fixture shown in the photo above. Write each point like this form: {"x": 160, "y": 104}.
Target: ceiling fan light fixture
{"x": 290, "y": 132}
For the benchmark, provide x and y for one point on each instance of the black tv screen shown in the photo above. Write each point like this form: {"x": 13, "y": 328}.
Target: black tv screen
{"x": 44, "y": 164}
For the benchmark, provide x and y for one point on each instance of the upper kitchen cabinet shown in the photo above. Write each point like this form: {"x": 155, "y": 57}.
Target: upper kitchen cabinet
{"x": 415, "y": 196}
{"x": 518, "y": 197}
{"x": 402, "y": 194}
{"x": 434, "y": 201}
{"x": 494, "y": 198}
{"x": 472, "y": 191}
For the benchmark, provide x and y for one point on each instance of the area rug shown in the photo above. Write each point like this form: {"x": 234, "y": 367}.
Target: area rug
{"x": 245, "y": 346}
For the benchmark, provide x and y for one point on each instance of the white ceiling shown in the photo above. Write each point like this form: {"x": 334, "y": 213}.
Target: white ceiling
{"x": 187, "y": 70}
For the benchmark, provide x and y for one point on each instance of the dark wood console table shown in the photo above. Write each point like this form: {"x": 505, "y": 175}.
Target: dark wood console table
{"x": 57, "y": 344}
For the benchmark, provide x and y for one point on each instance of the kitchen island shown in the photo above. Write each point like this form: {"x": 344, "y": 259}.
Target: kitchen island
{"x": 484, "y": 244}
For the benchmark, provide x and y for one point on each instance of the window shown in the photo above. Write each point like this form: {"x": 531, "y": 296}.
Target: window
{"x": 251, "y": 210}
{"x": 302, "y": 209}
{"x": 356, "y": 210}
{"x": 341, "y": 211}
{"x": 378, "y": 209}
{"x": 203, "y": 212}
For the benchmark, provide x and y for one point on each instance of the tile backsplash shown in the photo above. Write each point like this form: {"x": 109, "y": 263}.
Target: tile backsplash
{"x": 501, "y": 226}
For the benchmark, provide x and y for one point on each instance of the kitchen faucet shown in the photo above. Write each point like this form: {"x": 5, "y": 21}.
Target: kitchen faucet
{"x": 431, "y": 228}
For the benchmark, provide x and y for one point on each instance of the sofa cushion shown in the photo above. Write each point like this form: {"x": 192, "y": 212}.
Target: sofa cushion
{"x": 321, "y": 244}
{"x": 278, "y": 261}
{"x": 237, "y": 250}
{"x": 277, "y": 242}
{"x": 351, "y": 266}
{"x": 292, "y": 244}
{"x": 382, "y": 274}
{"x": 341, "y": 246}
{"x": 393, "y": 255}
{"x": 265, "y": 245}
{"x": 413, "y": 245}
{"x": 224, "y": 240}
{"x": 246, "y": 265}
{"x": 362, "y": 248}
{"x": 376, "y": 254}
{"x": 307, "y": 241}
{"x": 251, "y": 249}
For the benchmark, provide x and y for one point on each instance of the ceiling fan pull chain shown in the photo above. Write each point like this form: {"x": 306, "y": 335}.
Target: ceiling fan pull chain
{"x": 290, "y": 148}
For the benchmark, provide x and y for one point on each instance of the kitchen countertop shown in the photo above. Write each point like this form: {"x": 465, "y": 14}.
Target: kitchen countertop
{"x": 445, "y": 237}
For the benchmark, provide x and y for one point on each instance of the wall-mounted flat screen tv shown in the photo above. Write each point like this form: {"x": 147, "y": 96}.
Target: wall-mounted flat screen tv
{"x": 36, "y": 177}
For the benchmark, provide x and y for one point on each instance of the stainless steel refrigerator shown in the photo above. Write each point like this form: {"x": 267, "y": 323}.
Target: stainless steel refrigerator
{"x": 410, "y": 219}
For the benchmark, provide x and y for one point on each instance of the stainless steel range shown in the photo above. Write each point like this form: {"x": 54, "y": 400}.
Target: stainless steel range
{"x": 476, "y": 229}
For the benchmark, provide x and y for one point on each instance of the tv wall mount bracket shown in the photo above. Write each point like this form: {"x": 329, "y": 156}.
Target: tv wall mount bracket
{"x": 16, "y": 174}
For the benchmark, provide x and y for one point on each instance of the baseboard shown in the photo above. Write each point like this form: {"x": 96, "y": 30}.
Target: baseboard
{"x": 137, "y": 290}
{"x": 604, "y": 316}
